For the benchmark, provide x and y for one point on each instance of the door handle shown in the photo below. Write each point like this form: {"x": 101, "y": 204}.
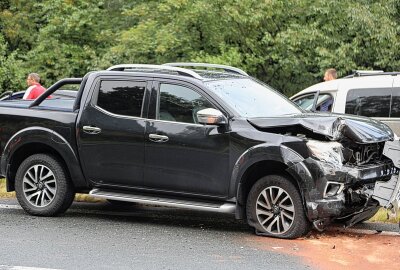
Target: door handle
{"x": 91, "y": 130}
{"x": 158, "y": 138}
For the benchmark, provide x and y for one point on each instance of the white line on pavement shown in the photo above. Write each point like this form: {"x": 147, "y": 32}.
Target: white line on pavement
{"x": 9, "y": 267}
{"x": 9, "y": 206}
{"x": 87, "y": 211}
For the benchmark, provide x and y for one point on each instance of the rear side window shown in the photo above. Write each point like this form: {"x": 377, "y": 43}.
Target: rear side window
{"x": 372, "y": 102}
{"x": 122, "y": 97}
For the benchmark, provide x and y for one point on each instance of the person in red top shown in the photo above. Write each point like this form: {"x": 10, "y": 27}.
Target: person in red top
{"x": 35, "y": 89}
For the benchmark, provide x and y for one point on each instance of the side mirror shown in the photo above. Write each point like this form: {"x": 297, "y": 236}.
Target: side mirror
{"x": 211, "y": 116}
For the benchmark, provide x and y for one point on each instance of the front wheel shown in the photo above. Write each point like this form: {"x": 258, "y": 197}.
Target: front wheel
{"x": 42, "y": 186}
{"x": 274, "y": 208}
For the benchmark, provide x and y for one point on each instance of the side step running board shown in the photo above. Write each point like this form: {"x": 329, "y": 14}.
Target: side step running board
{"x": 178, "y": 203}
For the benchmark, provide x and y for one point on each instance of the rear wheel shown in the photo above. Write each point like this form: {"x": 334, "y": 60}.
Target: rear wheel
{"x": 274, "y": 208}
{"x": 42, "y": 186}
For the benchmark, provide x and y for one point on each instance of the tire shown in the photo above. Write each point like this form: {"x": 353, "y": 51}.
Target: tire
{"x": 275, "y": 208}
{"x": 43, "y": 187}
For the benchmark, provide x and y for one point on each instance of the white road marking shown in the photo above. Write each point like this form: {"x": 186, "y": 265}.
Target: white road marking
{"x": 87, "y": 211}
{"x": 9, "y": 206}
{"x": 9, "y": 267}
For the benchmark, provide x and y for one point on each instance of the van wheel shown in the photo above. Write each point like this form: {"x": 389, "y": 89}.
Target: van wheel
{"x": 274, "y": 208}
{"x": 42, "y": 186}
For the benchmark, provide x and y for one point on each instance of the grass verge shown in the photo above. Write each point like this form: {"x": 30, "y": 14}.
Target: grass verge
{"x": 3, "y": 192}
{"x": 78, "y": 197}
{"x": 383, "y": 215}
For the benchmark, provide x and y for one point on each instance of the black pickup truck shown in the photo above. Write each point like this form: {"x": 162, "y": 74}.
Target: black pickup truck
{"x": 197, "y": 136}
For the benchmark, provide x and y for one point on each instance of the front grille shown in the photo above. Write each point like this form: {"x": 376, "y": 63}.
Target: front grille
{"x": 361, "y": 154}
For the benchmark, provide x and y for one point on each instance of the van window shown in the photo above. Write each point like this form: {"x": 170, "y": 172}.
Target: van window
{"x": 395, "y": 108}
{"x": 324, "y": 103}
{"x": 371, "y": 102}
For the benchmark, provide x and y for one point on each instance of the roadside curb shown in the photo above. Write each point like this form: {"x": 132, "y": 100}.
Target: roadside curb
{"x": 7, "y": 205}
{"x": 363, "y": 231}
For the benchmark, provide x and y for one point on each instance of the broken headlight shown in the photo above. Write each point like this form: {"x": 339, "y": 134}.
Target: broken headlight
{"x": 329, "y": 152}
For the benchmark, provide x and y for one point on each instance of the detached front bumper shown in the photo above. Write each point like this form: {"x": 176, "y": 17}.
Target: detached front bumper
{"x": 388, "y": 193}
{"x": 349, "y": 193}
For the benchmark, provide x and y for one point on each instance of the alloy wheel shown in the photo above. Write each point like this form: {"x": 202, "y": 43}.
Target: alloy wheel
{"x": 39, "y": 185}
{"x": 275, "y": 210}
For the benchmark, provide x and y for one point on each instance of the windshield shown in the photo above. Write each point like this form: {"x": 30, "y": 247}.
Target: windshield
{"x": 252, "y": 99}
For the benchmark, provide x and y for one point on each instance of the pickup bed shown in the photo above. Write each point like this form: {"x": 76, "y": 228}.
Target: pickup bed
{"x": 208, "y": 138}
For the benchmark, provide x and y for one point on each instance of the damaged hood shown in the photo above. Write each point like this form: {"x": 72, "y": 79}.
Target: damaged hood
{"x": 333, "y": 126}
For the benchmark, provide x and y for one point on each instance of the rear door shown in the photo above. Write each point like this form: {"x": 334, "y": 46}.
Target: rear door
{"x": 111, "y": 132}
{"x": 181, "y": 155}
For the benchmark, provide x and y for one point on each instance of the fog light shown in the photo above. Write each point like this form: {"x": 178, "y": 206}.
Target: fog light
{"x": 333, "y": 189}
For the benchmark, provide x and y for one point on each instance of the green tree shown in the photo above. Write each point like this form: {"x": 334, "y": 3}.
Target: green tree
{"x": 20, "y": 22}
{"x": 11, "y": 77}
{"x": 62, "y": 38}
{"x": 288, "y": 44}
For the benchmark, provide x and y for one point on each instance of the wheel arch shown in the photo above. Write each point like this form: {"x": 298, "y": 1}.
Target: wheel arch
{"x": 267, "y": 160}
{"x": 36, "y": 140}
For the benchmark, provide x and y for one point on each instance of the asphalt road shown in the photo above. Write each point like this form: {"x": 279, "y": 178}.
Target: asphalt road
{"x": 100, "y": 236}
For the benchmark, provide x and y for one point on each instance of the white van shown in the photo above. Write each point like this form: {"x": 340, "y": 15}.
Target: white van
{"x": 374, "y": 94}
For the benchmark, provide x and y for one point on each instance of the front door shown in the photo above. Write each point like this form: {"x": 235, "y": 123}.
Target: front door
{"x": 111, "y": 133}
{"x": 181, "y": 155}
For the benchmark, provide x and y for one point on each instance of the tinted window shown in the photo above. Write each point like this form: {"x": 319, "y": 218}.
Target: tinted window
{"x": 121, "y": 97}
{"x": 180, "y": 104}
{"x": 373, "y": 102}
{"x": 395, "y": 112}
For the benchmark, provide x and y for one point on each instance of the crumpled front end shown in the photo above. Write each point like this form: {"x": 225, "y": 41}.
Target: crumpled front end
{"x": 350, "y": 166}
{"x": 347, "y": 182}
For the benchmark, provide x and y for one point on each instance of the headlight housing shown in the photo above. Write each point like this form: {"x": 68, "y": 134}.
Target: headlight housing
{"x": 329, "y": 152}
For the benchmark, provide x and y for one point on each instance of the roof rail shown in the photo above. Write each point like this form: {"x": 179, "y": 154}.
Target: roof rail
{"x": 362, "y": 73}
{"x": 224, "y": 67}
{"x": 141, "y": 67}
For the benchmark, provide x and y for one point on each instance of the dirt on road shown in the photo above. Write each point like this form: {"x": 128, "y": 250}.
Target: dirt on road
{"x": 339, "y": 249}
